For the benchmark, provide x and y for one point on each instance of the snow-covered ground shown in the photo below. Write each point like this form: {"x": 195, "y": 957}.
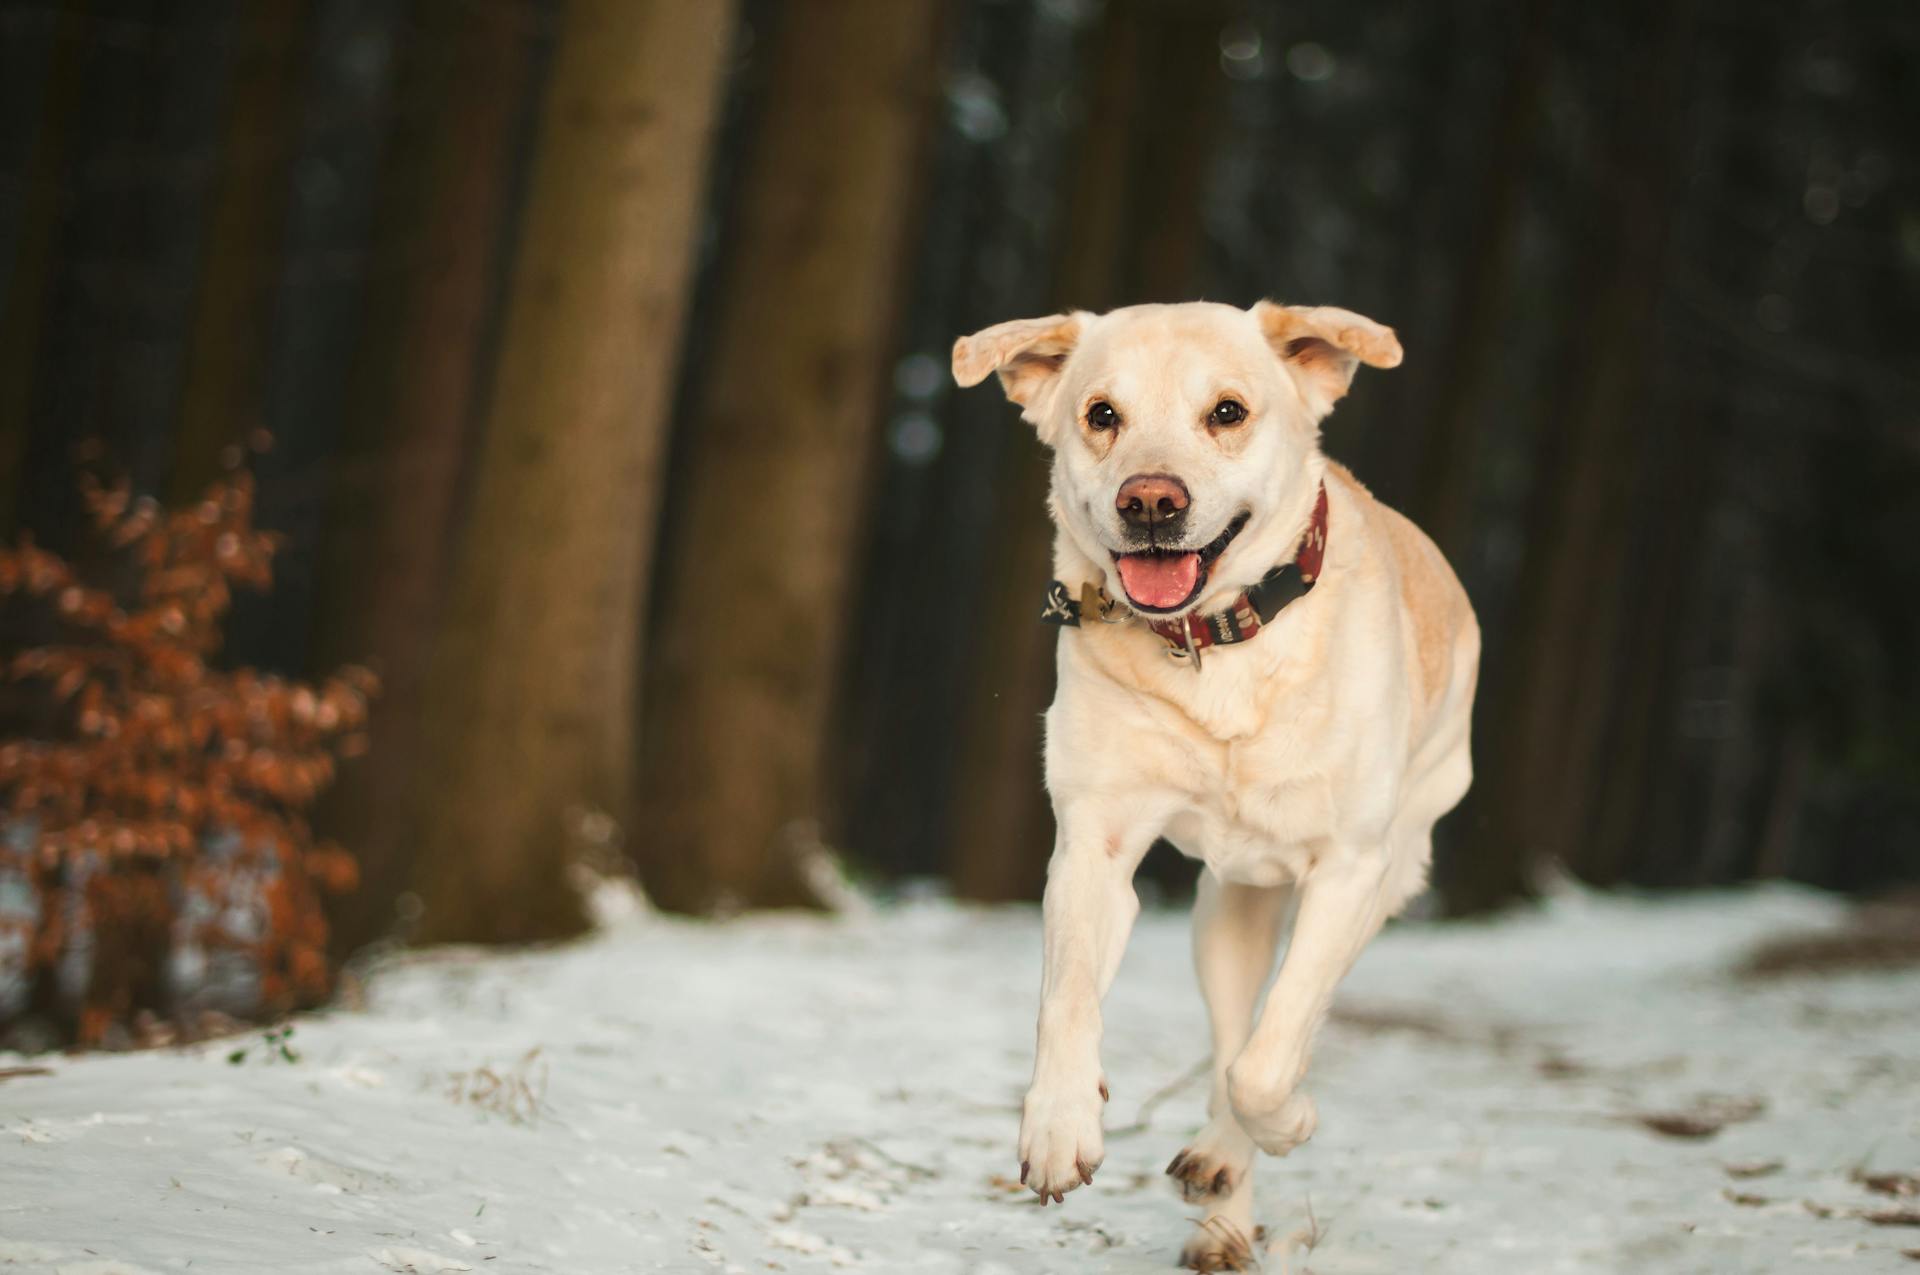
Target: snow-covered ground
{"x": 799, "y": 1094}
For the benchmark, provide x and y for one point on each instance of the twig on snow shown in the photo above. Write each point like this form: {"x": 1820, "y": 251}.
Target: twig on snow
{"x": 1159, "y": 1096}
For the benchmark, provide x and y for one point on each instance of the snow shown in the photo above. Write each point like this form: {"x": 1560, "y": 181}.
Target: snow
{"x": 806, "y": 1094}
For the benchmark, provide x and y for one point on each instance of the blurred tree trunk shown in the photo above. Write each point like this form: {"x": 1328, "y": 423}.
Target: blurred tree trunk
{"x": 438, "y": 259}
{"x": 1154, "y": 99}
{"x": 1540, "y": 734}
{"x": 1449, "y": 447}
{"x": 52, "y": 74}
{"x": 529, "y": 702}
{"x": 1597, "y": 586}
{"x": 1642, "y": 789}
{"x": 1635, "y": 783}
{"x": 769, "y": 509}
{"x": 114, "y": 295}
{"x": 224, "y": 386}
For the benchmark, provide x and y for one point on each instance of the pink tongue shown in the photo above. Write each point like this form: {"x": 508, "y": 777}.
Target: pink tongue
{"x": 1159, "y": 579}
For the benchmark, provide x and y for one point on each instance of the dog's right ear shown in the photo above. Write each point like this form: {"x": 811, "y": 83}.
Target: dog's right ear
{"x": 1027, "y": 353}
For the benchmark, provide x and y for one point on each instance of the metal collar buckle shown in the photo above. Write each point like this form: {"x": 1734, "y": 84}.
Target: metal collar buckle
{"x": 1094, "y": 601}
{"x": 1186, "y": 650}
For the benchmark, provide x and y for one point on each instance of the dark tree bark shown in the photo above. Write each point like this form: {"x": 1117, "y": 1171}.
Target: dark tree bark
{"x": 1539, "y": 735}
{"x": 756, "y": 594}
{"x": 48, "y": 79}
{"x": 224, "y": 391}
{"x": 439, "y": 260}
{"x": 1641, "y": 792}
{"x": 101, "y": 306}
{"x": 529, "y": 703}
{"x": 1450, "y": 442}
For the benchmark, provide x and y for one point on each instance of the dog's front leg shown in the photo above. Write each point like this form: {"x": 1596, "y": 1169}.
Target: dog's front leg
{"x": 1341, "y": 907}
{"x": 1088, "y": 910}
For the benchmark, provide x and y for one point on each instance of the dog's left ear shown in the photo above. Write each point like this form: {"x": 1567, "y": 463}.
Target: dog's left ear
{"x": 1027, "y": 353}
{"x": 1323, "y": 345}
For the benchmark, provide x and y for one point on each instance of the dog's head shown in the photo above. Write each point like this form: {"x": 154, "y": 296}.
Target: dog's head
{"x": 1186, "y": 437}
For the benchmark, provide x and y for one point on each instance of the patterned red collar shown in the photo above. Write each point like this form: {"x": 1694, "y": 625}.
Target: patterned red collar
{"x": 1186, "y": 636}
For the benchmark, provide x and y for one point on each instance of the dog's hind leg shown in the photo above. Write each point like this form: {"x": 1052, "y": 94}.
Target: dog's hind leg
{"x": 1235, "y": 931}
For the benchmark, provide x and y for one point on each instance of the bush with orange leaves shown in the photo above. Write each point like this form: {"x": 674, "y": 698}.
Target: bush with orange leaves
{"x": 153, "y": 805}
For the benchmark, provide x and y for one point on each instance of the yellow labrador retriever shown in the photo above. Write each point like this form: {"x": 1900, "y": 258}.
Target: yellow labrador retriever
{"x": 1258, "y": 661}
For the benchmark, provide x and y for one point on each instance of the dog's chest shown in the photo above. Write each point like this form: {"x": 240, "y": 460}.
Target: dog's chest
{"x": 1257, "y": 816}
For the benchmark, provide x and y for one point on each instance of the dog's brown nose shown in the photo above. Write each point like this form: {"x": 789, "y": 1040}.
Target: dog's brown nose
{"x": 1149, "y": 500}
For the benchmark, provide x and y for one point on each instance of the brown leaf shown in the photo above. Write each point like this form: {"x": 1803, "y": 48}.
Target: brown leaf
{"x": 15, "y": 1073}
{"x": 1753, "y": 1168}
{"x": 1704, "y": 1121}
{"x": 1903, "y": 1185}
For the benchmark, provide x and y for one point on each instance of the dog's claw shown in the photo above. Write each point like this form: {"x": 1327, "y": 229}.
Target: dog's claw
{"x": 1024, "y": 1167}
{"x": 1104, "y": 1095}
{"x": 1207, "y": 1171}
{"x": 1086, "y": 1174}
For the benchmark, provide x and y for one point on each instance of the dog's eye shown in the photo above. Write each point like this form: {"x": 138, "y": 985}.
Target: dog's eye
{"x": 1102, "y": 416}
{"x": 1227, "y": 412}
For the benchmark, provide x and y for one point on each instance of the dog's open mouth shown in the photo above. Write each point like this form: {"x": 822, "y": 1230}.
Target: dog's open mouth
{"x": 1168, "y": 579}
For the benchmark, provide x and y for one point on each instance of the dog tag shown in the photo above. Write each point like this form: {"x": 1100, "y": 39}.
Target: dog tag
{"x": 1188, "y": 651}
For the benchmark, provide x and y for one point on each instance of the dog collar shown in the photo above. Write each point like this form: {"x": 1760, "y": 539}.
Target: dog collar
{"x": 1187, "y": 635}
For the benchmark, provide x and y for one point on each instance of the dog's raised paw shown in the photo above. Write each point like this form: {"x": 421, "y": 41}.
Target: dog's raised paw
{"x": 1282, "y": 1127}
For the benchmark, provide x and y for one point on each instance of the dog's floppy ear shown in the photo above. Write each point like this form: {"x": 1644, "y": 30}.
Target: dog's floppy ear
{"x": 1324, "y": 344}
{"x": 1027, "y": 353}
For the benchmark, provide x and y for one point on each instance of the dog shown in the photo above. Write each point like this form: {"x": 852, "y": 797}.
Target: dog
{"x": 1259, "y": 662}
